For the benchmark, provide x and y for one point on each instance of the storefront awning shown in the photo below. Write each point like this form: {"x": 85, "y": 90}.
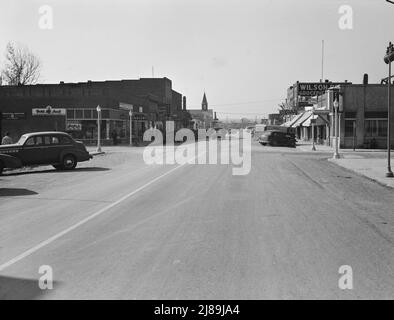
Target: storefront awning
{"x": 302, "y": 119}
{"x": 319, "y": 121}
{"x": 292, "y": 121}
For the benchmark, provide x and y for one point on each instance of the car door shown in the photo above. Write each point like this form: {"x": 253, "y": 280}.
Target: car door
{"x": 58, "y": 144}
{"x": 33, "y": 151}
{"x": 282, "y": 138}
{"x": 52, "y": 149}
{"x": 274, "y": 138}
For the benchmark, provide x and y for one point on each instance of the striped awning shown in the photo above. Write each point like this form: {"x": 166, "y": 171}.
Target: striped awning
{"x": 292, "y": 121}
{"x": 319, "y": 121}
{"x": 302, "y": 119}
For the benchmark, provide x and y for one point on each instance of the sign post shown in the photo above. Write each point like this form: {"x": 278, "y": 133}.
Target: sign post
{"x": 388, "y": 58}
{"x": 336, "y": 107}
{"x": 98, "y": 128}
{"x": 131, "y": 127}
{"x": 354, "y": 135}
{"x": 313, "y": 129}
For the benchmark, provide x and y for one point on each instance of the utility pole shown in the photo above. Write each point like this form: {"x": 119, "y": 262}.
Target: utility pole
{"x": 313, "y": 129}
{"x": 336, "y": 111}
{"x": 131, "y": 127}
{"x": 98, "y": 109}
{"x": 322, "y": 61}
{"x": 388, "y": 58}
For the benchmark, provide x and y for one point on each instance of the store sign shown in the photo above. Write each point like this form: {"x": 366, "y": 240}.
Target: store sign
{"x": 73, "y": 126}
{"x": 14, "y": 116}
{"x": 314, "y": 88}
{"x": 139, "y": 117}
{"x": 48, "y": 111}
{"x": 125, "y": 106}
{"x": 287, "y": 112}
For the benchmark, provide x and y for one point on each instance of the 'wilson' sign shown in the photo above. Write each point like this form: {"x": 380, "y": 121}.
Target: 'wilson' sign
{"x": 315, "y": 88}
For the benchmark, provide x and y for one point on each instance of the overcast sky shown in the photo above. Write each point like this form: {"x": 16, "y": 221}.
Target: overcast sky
{"x": 244, "y": 53}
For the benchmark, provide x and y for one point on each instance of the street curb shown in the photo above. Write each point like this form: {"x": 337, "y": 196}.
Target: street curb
{"x": 361, "y": 174}
{"x": 96, "y": 153}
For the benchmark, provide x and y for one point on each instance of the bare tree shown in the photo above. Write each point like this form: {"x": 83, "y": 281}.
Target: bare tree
{"x": 21, "y": 65}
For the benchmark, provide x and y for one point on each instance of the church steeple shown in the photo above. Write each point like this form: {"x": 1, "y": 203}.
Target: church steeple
{"x": 204, "y": 104}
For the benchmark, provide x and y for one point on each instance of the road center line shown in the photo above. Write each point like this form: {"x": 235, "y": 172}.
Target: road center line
{"x": 82, "y": 222}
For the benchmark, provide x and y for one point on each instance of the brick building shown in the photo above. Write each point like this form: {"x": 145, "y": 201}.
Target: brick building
{"x": 362, "y": 117}
{"x": 71, "y": 107}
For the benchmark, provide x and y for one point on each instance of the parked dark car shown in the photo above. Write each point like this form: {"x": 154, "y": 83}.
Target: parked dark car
{"x": 44, "y": 148}
{"x": 277, "y": 138}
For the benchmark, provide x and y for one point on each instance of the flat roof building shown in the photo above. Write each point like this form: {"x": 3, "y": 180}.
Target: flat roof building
{"x": 71, "y": 107}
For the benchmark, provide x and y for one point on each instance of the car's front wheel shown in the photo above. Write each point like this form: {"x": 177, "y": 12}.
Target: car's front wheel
{"x": 69, "y": 162}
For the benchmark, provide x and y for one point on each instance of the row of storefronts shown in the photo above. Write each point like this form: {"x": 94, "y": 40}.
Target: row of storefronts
{"x": 72, "y": 108}
{"x": 362, "y": 115}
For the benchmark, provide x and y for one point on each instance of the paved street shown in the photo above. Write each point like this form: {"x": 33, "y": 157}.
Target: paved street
{"x": 117, "y": 228}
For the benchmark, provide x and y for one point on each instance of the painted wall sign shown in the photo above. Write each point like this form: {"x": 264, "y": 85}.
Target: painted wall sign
{"x": 14, "y": 115}
{"x": 48, "y": 111}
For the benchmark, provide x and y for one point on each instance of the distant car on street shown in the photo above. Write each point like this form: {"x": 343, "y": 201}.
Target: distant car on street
{"x": 234, "y": 134}
{"x": 44, "y": 148}
{"x": 277, "y": 138}
{"x": 251, "y": 129}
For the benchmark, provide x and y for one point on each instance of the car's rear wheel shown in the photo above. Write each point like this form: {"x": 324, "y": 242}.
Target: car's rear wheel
{"x": 69, "y": 162}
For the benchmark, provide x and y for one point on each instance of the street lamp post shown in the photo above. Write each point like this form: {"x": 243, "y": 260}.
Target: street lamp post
{"x": 98, "y": 129}
{"x": 388, "y": 58}
{"x": 131, "y": 127}
{"x": 336, "y": 107}
{"x": 313, "y": 130}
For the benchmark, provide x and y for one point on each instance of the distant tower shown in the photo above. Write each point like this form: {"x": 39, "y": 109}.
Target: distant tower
{"x": 204, "y": 104}
{"x": 184, "y": 103}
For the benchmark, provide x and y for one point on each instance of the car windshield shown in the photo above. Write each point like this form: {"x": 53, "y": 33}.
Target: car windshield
{"x": 22, "y": 139}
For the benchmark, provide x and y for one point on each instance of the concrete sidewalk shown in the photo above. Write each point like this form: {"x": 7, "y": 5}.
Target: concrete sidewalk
{"x": 307, "y": 146}
{"x": 372, "y": 168}
{"x": 112, "y": 149}
{"x": 371, "y": 163}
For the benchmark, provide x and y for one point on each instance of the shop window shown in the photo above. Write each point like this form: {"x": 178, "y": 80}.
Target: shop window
{"x": 78, "y": 114}
{"x": 105, "y": 114}
{"x": 382, "y": 128}
{"x": 70, "y": 114}
{"x": 349, "y": 128}
{"x": 87, "y": 114}
{"x": 376, "y": 128}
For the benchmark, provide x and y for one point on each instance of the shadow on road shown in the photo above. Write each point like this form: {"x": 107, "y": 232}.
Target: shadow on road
{"x": 11, "y": 192}
{"x": 21, "y": 289}
{"x": 87, "y": 169}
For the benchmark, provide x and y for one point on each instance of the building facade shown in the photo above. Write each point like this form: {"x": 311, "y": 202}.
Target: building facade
{"x": 362, "y": 117}
{"x": 71, "y": 107}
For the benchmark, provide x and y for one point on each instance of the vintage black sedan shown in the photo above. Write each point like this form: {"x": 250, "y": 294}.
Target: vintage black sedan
{"x": 44, "y": 148}
{"x": 277, "y": 138}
